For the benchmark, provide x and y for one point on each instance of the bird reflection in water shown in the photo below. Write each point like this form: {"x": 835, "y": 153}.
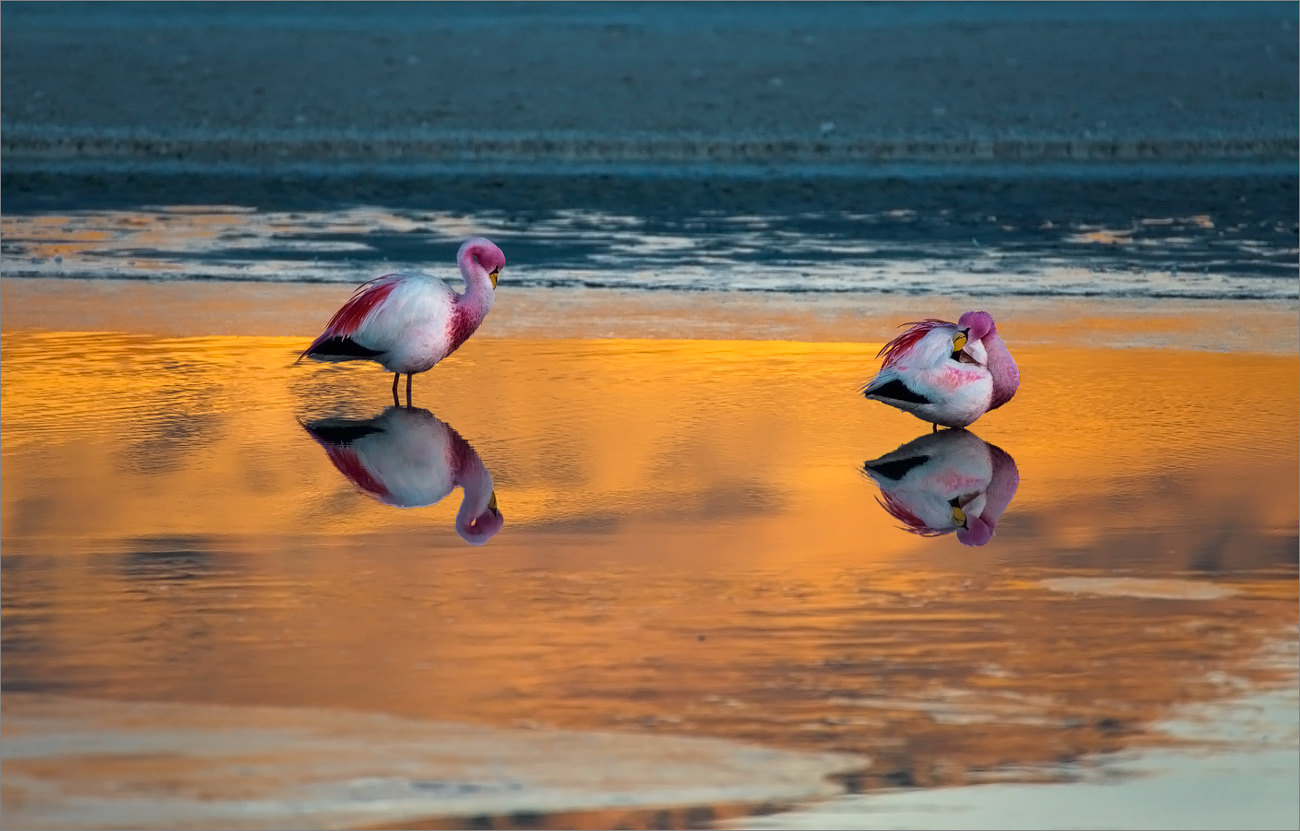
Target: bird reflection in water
{"x": 945, "y": 482}
{"x": 407, "y": 458}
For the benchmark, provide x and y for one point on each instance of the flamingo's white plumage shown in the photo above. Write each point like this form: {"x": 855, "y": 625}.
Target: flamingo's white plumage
{"x": 410, "y": 321}
{"x": 945, "y": 482}
{"x": 947, "y": 373}
{"x": 407, "y": 458}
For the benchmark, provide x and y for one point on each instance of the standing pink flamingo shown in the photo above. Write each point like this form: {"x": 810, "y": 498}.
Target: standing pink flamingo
{"x": 946, "y": 373}
{"x": 408, "y": 322}
{"x": 407, "y": 458}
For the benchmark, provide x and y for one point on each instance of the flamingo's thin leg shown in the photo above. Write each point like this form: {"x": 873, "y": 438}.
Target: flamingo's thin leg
{"x": 397, "y": 402}
{"x": 408, "y": 390}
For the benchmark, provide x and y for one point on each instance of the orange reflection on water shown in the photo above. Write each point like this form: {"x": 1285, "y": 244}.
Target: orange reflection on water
{"x": 606, "y": 430}
{"x": 48, "y": 236}
{"x": 691, "y": 545}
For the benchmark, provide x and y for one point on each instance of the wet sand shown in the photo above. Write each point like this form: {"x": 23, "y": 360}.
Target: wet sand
{"x": 188, "y": 766}
{"x": 217, "y": 307}
{"x": 690, "y": 545}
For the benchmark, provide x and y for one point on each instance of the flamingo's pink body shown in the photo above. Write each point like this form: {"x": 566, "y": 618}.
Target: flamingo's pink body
{"x": 407, "y": 458}
{"x": 408, "y": 322}
{"x": 945, "y": 482}
{"x": 947, "y": 373}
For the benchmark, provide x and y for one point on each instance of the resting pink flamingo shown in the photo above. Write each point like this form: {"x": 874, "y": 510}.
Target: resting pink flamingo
{"x": 946, "y": 373}
{"x": 945, "y": 482}
{"x": 410, "y": 321}
{"x": 407, "y": 458}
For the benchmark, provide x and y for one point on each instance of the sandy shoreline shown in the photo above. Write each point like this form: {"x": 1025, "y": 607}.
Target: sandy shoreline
{"x": 270, "y": 309}
{"x": 258, "y": 767}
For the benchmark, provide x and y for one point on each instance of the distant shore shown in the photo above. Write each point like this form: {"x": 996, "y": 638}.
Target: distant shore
{"x": 775, "y": 86}
{"x": 32, "y": 148}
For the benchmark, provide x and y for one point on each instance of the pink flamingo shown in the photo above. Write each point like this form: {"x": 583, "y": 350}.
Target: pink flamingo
{"x": 946, "y": 373}
{"x": 407, "y": 458}
{"x": 410, "y": 321}
{"x": 946, "y": 482}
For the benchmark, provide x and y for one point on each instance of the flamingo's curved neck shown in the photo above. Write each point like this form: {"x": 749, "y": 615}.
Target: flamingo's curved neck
{"x": 468, "y": 472}
{"x": 477, "y": 299}
{"x": 1006, "y": 375}
{"x": 477, "y": 484}
{"x": 1002, "y": 487}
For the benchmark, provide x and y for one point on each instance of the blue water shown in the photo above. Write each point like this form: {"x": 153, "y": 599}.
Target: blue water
{"x": 417, "y": 16}
{"x": 986, "y": 249}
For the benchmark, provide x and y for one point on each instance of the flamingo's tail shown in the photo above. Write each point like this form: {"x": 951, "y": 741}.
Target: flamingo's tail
{"x": 338, "y": 348}
{"x": 337, "y": 342}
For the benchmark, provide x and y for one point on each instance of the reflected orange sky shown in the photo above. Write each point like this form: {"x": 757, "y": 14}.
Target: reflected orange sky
{"x": 605, "y": 432}
{"x": 689, "y": 544}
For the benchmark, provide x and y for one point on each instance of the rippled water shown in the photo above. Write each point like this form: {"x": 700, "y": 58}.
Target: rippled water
{"x": 706, "y": 538}
{"x": 903, "y": 250}
{"x": 689, "y": 545}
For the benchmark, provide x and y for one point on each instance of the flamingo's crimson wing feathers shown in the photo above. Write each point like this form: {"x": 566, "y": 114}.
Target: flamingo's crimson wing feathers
{"x": 348, "y": 320}
{"x": 337, "y": 437}
{"x": 901, "y": 345}
{"x": 338, "y": 341}
{"x": 349, "y": 463}
{"x": 911, "y": 522}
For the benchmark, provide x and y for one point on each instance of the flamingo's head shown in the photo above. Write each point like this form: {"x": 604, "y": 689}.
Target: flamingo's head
{"x": 481, "y": 253}
{"x": 968, "y": 518}
{"x": 977, "y": 531}
{"x": 977, "y": 325}
{"x": 479, "y": 529}
{"x": 966, "y": 514}
{"x": 968, "y": 345}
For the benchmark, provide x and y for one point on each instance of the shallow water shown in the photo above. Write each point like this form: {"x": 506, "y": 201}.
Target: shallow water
{"x": 690, "y": 544}
{"x": 907, "y": 246}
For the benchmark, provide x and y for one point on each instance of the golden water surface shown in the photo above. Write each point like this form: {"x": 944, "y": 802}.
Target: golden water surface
{"x": 690, "y": 544}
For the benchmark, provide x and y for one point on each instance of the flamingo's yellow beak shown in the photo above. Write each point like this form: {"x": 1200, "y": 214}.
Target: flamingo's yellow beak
{"x": 959, "y": 516}
{"x": 957, "y": 342}
{"x": 492, "y": 503}
{"x": 493, "y": 274}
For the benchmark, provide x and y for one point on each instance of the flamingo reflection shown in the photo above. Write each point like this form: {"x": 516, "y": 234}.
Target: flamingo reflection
{"x": 407, "y": 458}
{"x": 945, "y": 482}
